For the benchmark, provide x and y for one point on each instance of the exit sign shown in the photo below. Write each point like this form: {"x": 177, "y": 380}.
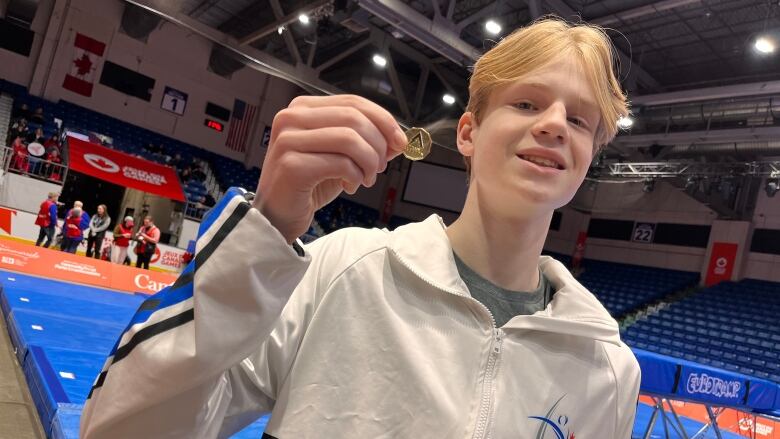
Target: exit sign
{"x": 214, "y": 125}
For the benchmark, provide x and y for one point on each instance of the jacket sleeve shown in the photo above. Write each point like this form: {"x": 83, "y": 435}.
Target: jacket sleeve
{"x": 628, "y": 376}
{"x": 84, "y": 221}
{"x": 53, "y": 214}
{"x": 103, "y": 226}
{"x": 199, "y": 359}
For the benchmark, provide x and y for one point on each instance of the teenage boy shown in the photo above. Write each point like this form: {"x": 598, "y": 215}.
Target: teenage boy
{"x": 425, "y": 332}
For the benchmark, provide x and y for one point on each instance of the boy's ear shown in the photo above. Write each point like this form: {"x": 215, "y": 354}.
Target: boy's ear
{"x": 466, "y": 128}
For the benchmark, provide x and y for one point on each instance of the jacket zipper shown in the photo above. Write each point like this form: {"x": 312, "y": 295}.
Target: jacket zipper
{"x": 488, "y": 390}
{"x": 495, "y": 350}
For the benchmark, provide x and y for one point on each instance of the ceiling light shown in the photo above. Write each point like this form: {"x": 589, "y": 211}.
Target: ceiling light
{"x": 492, "y": 27}
{"x": 625, "y": 122}
{"x": 303, "y": 18}
{"x": 279, "y": 30}
{"x": 648, "y": 186}
{"x": 448, "y": 99}
{"x": 379, "y": 60}
{"x": 765, "y": 45}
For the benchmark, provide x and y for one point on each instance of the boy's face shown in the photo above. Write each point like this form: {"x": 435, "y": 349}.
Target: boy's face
{"x": 535, "y": 143}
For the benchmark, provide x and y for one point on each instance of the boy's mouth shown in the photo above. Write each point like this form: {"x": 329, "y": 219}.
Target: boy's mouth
{"x": 543, "y": 162}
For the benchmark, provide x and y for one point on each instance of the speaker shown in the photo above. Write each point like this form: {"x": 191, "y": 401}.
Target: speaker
{"x": 224, "y": 62}
{"x": 137, "y": 22}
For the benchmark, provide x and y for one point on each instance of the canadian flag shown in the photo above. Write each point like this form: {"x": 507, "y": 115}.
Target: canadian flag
{"x": 86, "y": 55}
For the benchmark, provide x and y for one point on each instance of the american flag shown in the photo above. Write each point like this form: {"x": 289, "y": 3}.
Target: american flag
{"x": 240, "y": 125}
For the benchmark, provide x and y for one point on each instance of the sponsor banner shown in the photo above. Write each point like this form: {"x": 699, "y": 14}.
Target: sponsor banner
{"x": 54, "y": 264}
{"x": 722, "y": 260}
{"x": 723, "y": 389}
{"x": 123, "y": 169}
{"x": 21, "y": 225}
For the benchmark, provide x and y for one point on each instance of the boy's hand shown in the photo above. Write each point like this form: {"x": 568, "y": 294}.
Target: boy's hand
{"x": 321, "y": 145}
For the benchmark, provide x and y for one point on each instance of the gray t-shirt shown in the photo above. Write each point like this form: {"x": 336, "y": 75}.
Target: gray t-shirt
{"x": 504, "y": 304}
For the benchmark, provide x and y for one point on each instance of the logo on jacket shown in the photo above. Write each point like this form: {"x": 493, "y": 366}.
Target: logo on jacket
{"x": 554, "y": 422}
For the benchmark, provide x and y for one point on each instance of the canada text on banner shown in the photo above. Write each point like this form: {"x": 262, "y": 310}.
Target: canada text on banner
{"x": 87, "y": 53}
{"x": 123, "y": 169}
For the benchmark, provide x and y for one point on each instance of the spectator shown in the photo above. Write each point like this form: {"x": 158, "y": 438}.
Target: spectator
{"x": 97, "y": 231}
{"x": 84, "y": 216}
{"x": 36, "y": 136}
{"x": 73, "y": 233}
{"x": 19, "y": 128}
{"x": 20, "y": 157}
{"x": 21, "y": 112}
{"x": 122, "y": 234}
{"x": 51, "y": 170}
{"x": 148, "y": 237}
{"x": 52, "y": 143}
{"x": 38, "y": 116}
{"x": 47, "y": 220}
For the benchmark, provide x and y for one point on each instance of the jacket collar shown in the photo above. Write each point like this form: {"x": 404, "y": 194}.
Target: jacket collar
{"x": 425, "y": 250}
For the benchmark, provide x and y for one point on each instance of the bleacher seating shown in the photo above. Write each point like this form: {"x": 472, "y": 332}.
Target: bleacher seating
{"x": 62, "y": 334}
{"x": 623, "y": 288}
{"x": 130, "y": 138}
{"x": 731, "y": 326}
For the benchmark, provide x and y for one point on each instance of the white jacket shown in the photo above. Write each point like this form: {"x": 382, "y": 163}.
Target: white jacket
{"x": 369, "y": 334}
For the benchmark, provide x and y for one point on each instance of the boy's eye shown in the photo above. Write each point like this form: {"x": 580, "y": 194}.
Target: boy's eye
{"x": 580, "y": 122}
{"x": 525, "y": 106}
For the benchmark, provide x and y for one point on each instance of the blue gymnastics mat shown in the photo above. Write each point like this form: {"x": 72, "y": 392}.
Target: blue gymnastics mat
{"x": 13, "y": 298}
{"x": 59, "y": 376}
{"x": 11, "y": 281}
{"x": 55, "y": 331}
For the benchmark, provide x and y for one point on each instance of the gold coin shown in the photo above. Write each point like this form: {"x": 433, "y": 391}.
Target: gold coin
{"x": 418, "y": 144}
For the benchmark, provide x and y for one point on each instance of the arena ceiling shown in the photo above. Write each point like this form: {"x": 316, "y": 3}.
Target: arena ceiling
{"x": 665, "y": 46}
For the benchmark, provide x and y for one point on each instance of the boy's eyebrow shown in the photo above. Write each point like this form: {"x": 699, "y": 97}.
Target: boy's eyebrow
{"x": 583, "y": 104}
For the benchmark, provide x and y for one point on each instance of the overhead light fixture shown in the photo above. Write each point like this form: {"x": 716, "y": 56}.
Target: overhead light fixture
{"x": 379, "y": 60}
{"x": 771, "y": 188}
{"x": 625, "y": 122}
{"x": 648, "y": 186}
{"x": 764, "y": 45}
{"x": 303, "y": 18}
{"x": 279, "y": 30}
{"x": 492, "y": 27}
{"x": 448, "y": 99}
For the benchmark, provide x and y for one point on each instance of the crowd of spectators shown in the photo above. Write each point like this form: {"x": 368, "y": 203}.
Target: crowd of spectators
{"x": 78, "y": 225}
{"x": 32, "y": 152}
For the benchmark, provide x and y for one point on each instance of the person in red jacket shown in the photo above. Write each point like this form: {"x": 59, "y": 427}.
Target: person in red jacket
{"x": 20, "y": 157}
{"x": 50, "y": 169}
{"x": 148, "y": 237}
{"x": 47, "y": 219}
{"x": 122, "y": 234}
{"x": 73, "y": 234}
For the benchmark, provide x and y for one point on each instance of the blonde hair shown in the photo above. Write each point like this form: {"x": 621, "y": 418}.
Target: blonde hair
{"x": 539, "y": 44}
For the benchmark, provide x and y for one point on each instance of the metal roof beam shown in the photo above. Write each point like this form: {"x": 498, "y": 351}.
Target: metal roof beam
{"x": 642, "y": 76}
{"x": 708, "y": 94}
{"x": 641, "y": 11}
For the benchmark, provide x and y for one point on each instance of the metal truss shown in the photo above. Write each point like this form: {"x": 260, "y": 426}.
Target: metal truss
{"x": 769, "y": 169}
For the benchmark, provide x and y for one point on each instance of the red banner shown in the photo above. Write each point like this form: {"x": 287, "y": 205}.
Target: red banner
{"x": 54, "y": 264}
{"x": 387, "y": 209}
{"x": 123, "y": 169}
{"x": 722, "y": 260}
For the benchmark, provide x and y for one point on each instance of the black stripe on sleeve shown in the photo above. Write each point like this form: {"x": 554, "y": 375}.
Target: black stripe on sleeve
{"x": 98, "y": 383}
{"x": 228, "y": 226}
{"x": 152, "y": 330}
